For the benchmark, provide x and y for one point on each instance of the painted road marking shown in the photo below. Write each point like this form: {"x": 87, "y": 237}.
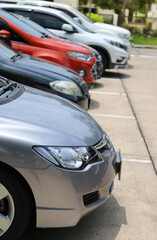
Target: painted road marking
{"x": 136, "y": 160}
{"x": 111, "y": 79}
{"x": 108, "y": 93}
{"x": 112, "y": 116}
{"x": 146, "y": 56}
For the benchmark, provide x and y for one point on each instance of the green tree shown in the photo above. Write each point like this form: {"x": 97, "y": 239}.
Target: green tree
{"x": 119, "y": 5}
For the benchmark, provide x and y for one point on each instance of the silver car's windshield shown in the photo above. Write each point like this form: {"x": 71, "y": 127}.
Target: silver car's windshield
{"x": 9, "y": 90}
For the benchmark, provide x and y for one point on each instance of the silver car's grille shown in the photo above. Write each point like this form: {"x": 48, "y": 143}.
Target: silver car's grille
{"x": 99, "y": 150}
{"x": 90, "y": 198}
{"x": 103, "y": 145}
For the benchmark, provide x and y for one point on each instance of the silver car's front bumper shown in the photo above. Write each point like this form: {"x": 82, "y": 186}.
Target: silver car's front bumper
{"x": 63, "y": 196}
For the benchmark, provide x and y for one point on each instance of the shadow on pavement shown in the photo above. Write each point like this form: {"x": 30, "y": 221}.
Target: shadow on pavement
{"x": 115, "y": 75}
{"x": 94, "y": 104}
{"x": 97, "y": 85}
{"x": 103, "y": 223}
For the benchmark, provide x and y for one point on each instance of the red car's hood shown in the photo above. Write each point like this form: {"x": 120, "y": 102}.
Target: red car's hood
{"x": 59, "y": 44}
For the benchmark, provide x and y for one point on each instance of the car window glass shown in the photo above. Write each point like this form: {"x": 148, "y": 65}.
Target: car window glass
{"x": 5, "y": 52}
{"x": 81, "y": 14}
{"x": 67, "y": 12}
{"x": 17, "y": 38}
{"x": 3, "y": 25}
{"x": 34, "y": 25}
{"x": 25, "y": 27}
{"x": 48, "y": 21}
{"x": 20, "y": 12}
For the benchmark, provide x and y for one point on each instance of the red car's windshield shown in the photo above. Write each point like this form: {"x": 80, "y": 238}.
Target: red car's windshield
{"x": 24, "y": 26}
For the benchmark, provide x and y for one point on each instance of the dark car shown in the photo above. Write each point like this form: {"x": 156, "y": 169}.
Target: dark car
{"x": 43, "y": 75}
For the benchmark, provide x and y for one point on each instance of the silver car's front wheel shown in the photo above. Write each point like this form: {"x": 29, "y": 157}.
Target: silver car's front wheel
{"x": 15, "y": 205}
{"x": 7, "y": 209}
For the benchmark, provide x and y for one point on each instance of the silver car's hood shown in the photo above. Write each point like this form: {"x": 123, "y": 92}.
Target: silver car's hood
{"x": 40, "y": 118}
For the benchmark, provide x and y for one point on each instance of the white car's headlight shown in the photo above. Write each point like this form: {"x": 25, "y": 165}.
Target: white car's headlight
{"x": 125, "y": 35}
{"x": 80, "y": 56}
{"x": 67, "y": 157}
{"x": 66, "y": 87}
{"x": 117, "y": 44}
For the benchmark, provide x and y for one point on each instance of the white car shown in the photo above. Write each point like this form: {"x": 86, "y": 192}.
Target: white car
{"x": 113, "y": 50}
{"x": 85, "y": 21}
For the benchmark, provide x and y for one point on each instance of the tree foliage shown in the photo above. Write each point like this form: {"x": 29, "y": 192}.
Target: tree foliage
{"x": 118, "y": 5}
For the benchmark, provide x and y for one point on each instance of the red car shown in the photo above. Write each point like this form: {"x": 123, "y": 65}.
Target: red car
{"x": 26, "y": 39}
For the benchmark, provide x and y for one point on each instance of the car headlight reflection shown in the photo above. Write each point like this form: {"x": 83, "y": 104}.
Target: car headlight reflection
{"x": 66, "y": 87}
{"x": 125, "y": 36}
{"x": 67, "y": 157}
{"x": 80, "y": 56}
{"x": 117, "y": 44}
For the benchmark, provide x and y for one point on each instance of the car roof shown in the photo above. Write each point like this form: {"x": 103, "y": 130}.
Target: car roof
{"x": 44, "y": 9}
{"x": 44, "y": 3}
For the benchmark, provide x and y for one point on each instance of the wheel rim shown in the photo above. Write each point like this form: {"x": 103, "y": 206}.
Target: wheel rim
{"x": 7, "y": 209}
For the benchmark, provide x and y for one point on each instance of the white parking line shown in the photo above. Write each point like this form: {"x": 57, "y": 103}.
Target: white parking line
{"x": 146, "y": 56}
{"x": 135, "y": 160}
{"x": 111, "y": 79}
{"x": 108, "y": 93}
{"x": 112, "y": 116}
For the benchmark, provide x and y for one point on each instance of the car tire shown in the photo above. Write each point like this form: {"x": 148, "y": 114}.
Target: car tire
{"x": 15, "y": 206}
{"x": 104, "y": 60}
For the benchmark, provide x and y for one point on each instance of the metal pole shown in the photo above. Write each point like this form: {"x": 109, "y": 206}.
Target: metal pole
{"x": 90, "y": 7}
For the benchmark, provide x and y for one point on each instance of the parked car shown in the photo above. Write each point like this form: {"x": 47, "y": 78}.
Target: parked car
{"x": 99, "y": 64}
{"x": 28, "y": 40}
{"x": 56, "y": 163}
{"x": 81, "y": 18}
{"x": 43, "y": 75}
{"x": 113, "y": 50}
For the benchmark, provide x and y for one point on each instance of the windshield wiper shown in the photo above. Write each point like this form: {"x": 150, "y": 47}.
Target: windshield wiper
{"x": 7, "y": 87}
{"x": 44, "y": 35}
{"x": 16, "y": 56}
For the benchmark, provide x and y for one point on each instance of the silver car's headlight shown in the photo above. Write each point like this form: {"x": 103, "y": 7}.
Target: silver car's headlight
{"x": 117, "y": 44}
{"x": 66, "y": 87}
{"x": 67, "y": 157}
{"x": 80, "y": 56}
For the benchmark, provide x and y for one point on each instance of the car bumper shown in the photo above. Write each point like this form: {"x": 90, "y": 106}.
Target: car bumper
{"x": 63, "y": 196}
{"x": 121, "y": 63}
{"x": 85, "y": 103}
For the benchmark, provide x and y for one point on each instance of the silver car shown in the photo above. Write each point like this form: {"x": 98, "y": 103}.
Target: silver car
{"x": 56, "y": 163}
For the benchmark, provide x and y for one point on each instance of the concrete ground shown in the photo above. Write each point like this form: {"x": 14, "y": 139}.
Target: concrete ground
{"x": 125, "y": 105}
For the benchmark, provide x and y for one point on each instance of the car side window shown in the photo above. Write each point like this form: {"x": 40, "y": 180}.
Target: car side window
{"x": 17, "y": 38}
{"x": 68, "y": 13}
{"x": 14, "y": 36}
{"x": 4, "y": 25}
{"x": 20, "y": 12}
{"x": 48, "y": 21}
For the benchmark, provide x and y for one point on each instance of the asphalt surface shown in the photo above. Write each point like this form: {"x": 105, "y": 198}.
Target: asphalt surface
{"x": 124, "y": 102}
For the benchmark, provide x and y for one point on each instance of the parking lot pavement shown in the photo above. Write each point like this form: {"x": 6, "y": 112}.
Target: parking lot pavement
{"x": 141, "y": 88}
{"x": 124, "y": 104}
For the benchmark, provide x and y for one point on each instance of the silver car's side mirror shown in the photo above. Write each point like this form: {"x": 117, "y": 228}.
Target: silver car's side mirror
{"x": 67, "y": 28}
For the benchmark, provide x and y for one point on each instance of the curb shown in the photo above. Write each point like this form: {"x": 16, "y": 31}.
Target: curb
{"x": 144, "y": 46}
